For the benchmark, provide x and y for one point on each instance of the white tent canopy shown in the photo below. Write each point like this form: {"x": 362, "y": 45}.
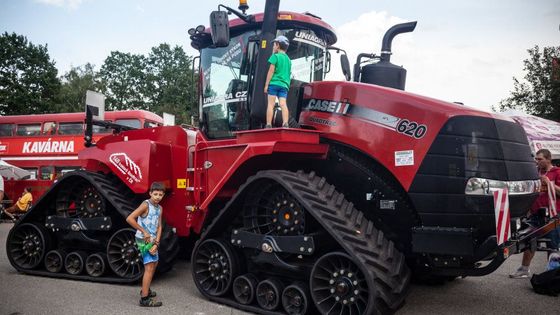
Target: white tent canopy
{"x": 542, "y": 133}
{"x": 9, "y": 171}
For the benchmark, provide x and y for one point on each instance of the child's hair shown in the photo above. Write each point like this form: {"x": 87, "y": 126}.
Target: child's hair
{"x": 28, "y": 188}
{"x": 283, "y": 46}
{"x": 157, "y": 186}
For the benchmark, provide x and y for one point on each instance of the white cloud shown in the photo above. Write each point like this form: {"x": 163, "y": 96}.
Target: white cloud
{"x": 468, "y": 70}
{"x": 71, "y": 4}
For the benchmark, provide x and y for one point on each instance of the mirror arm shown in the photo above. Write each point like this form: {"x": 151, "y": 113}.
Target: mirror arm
{"x": 246, "y": 18}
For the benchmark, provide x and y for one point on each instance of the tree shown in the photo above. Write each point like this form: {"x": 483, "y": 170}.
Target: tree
{"x": 170, "y": 83}
{"x": 123, "y": 78}
{"x": 540, "y": 94}
{"x": 75, "y": 83}
{"x": 160, "y": 82}
{"x": 28, "y": 78}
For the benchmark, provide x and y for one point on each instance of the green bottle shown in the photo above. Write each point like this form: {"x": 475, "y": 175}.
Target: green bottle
{"x": 144, "y": 247}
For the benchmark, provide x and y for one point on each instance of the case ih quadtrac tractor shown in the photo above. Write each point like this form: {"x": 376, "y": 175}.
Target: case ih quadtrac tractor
{"x": 371, "y": 186}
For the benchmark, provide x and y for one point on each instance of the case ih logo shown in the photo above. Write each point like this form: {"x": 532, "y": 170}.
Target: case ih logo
{"x": 126, "y": 166}
{"x": 3, "y": 148}
{"x": 327, "y": 106}
{"x": 48, "y": 146}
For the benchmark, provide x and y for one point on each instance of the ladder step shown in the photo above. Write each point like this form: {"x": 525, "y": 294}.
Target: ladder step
{"x": 190, "y": 208}
{"x": 190, "y": 188}
{"x": 190, "y": 169}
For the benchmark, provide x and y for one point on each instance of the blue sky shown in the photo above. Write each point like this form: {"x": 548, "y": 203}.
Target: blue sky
{"x": 465, "y": 51}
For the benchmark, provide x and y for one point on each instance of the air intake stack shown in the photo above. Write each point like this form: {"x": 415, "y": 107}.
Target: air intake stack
{"x": 385, "y": 73}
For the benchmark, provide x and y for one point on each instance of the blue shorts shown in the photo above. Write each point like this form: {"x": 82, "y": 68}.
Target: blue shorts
{"x": 275, "y": 90}
{"x": 147, "y": 257}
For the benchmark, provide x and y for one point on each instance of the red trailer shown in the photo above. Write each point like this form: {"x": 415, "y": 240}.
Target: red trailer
{"x": 47, "y": 145}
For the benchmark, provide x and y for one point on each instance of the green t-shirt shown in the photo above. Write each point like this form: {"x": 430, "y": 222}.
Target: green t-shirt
{"x": 282, "y": 70}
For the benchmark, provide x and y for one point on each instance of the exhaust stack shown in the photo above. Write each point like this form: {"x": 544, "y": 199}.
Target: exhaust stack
{"x": 385, "y": 73}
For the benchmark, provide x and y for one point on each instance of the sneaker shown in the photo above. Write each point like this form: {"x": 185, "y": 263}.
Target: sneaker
{"x": 150, "y": 293}
{"x": 520, "y": 273}
{"x": 268, "y": 126}
{"x": 285, "y": 125}
{"x": 149, "y": 302}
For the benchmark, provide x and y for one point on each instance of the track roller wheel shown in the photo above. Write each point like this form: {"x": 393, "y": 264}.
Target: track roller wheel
{"x": 244, "y": 288}
{"x": 295, "y": 299}
{"x": 96, "y": 264}
{"x": 28, "y": 245}
{"x": 91, "y": 203}
{"x": 269, "y": 294}
{"x": 123, "y": 255}
{"x": 54, "y": 260}
{"x": 80, "y": 199}
{"x": 74, "y": 262}
{"x": 338, "y": 286}
{"x": 214, "y": 267}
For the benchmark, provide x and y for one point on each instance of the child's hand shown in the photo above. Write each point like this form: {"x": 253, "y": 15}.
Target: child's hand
{"x": 153, "y": 249}
{"x": 147, "y": 237}
{"x": 266, "y": 89}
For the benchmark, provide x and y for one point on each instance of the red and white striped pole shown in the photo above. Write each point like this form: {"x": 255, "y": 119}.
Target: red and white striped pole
{"x": 501, "y": 210}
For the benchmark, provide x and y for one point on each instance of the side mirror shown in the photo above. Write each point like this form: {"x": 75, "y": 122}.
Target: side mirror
{"x": 345, "y": 67}
{"x": 219, "y": 25}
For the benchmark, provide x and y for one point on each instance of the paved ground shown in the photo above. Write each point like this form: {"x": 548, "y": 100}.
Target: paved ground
{"x": 23, "y": 294}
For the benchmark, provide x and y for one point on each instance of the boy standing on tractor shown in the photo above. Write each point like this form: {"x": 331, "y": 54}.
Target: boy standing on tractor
{"x": 278, "y": 80}
{"x": 146, "y": 219}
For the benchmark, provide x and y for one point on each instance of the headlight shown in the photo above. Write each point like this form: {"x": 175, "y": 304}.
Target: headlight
{"x": 483, "y": 186}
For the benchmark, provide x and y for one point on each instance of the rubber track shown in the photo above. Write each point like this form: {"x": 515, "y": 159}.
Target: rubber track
{"x": 124, "y": 201}
{"x": 387, "y": 274}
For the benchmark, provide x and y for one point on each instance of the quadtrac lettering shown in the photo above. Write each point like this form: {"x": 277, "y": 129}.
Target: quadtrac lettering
{"x": 326, "y": 106}
{"x": 411, "y": 128}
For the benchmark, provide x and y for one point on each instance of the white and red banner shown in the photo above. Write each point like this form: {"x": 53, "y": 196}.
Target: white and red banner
{"x": 552, "y": 200}
{"x": 501, "y": 210}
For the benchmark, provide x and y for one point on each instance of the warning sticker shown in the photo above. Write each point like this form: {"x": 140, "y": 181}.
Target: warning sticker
{"x": 404, "y": 158}
{"x": 181, "y": 183}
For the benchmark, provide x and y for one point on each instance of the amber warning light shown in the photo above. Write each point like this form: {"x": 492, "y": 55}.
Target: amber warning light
{"x": 243, "y": 6}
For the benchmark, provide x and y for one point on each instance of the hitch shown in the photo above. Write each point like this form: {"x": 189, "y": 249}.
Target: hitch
{"x": 527, "y": 238}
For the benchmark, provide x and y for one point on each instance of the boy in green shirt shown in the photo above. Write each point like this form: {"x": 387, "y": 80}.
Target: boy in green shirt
{"x": 278, "y": 80}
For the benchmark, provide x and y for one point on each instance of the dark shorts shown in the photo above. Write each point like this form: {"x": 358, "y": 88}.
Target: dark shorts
{"x": 553, "y": 235}
{"x": 275, "y": 90}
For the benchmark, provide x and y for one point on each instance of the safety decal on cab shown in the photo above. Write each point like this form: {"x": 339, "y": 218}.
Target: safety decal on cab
{"x": 126, "y": 166}
{"x": 404, "y": 158}
{"x": 181, "y": 183}
{"x": 401, "y": 125}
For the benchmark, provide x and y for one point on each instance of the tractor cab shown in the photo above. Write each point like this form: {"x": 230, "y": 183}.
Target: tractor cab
{"x": 232, "y": 73}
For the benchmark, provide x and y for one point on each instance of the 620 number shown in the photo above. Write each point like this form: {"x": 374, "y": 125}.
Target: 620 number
{"x": 411, "y": 128}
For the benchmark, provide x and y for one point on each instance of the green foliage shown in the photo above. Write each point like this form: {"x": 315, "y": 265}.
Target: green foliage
{"x": 123, "y": 77}
{"x": 28, "y": 78}
{"x": 75, "y": 83}
{"x": 159, "y": 82}
{"x": 170, "y": 82}
{"x": 539, "y": 95}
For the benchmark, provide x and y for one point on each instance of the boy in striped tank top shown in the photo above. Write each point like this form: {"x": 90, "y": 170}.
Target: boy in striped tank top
{"x": 146, "y": 219}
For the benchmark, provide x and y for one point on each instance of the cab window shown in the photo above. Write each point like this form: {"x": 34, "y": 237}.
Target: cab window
{"x": 74, "y": 128}
{"x": 6, "y": 130}
{"x": 28, "y": 130}
{"x": 100, "y": 129}
{"x": 49, "y": 128}
{"x": 47, "y": 173}
{"x": 150, "y": 124}
{"x": 134, "y": 123}
{"x": 33, "y": 172}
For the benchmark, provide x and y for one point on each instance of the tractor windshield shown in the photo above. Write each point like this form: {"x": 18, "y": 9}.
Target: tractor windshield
{"x": 226, "y": 72}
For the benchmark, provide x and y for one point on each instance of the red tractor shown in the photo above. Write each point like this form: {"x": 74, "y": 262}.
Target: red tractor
{"x": 372, "y": 185}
